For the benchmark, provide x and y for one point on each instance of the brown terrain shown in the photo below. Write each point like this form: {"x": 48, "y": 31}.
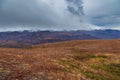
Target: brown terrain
{"x": 69, "y": 60}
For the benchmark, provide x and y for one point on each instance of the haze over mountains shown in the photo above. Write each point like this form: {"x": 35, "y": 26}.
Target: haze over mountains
{"x": 27, "y": 38}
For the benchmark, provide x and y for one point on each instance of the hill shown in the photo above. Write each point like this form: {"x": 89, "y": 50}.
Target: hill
{"x": 27, "y": 38}
{"x": 69, "y": 60}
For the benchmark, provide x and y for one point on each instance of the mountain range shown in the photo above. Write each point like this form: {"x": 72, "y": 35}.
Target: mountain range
{"x": 27, "y": 38}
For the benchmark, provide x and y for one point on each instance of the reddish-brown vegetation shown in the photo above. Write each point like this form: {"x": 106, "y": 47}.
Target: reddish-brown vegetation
{"x": 73, "y": 60}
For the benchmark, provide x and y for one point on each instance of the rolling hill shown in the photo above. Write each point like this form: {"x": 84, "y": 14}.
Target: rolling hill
{"x": 26, "y": 38}
{"x": 69, "y": 60}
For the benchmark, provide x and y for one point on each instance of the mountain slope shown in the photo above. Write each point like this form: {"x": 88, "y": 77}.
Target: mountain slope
{"x": 70, "y": 60}
{"x": 27, "y": 38}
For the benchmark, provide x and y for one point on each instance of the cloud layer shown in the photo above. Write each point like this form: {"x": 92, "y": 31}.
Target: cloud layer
{"x": 42, "y": 14}
{"x": 59, "y": 14}
{"x": 104, "y": 13}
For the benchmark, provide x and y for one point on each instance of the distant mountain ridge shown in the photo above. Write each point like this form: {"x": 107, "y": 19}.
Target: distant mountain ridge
{"x": 27, "y": 38}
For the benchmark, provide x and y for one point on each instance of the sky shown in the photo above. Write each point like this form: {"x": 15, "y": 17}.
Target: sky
{"x": 59, "y": 14}
{"x": 104, "y": 13}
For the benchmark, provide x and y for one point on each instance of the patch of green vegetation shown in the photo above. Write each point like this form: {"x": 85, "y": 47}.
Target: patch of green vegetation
{"x": 72, "y": 67}
{"x": 95, "y": 76}
{"x": 74, "y": 51}
{"x": 88, "y": 56}
{"x": 69, "y": 66}
{"x": 84, "y": 56}
{"x": 100, "y": 70}
{"x": 113, "y": 69}
{"x": 102, "y": 56}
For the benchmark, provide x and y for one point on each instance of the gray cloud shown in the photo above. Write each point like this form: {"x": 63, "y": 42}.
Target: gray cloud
{"x": 26, "y": 12}
{"x": 104, "y": 13}
{"x": 75, "y": 7}
{"x": 42, "y": 14}
{"x": 59, "y": 14}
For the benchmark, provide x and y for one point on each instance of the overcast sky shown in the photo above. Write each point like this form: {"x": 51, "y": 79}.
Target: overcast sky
{"x": 104, "y": 13}
{"x": 59, "y": 14}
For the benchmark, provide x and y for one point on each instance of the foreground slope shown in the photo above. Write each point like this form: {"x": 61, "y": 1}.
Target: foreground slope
{"x": 72, "y": 60}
